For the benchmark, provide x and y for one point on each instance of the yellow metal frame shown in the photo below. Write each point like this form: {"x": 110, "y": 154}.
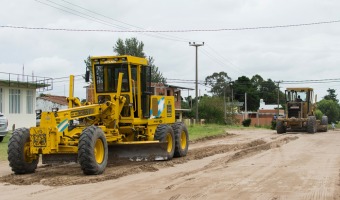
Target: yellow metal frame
{"x": 55, "y": 135}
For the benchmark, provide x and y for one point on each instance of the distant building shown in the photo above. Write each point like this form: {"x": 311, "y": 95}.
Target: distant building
{"x": 47, "y": 102}
{"x": 264, "y": 115}
{"x": 18, "y": 97}
{"x": 264, "y": 106}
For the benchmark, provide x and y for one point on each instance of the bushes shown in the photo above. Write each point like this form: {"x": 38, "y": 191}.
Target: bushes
{"x": 273, "y": 125}
{"x": 246, "y": 122}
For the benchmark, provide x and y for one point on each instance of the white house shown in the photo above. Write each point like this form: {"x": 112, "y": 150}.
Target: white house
{"x": 47, "y": 102}
{"x": 17, "y": 98}
{"x": 264, "y": 106}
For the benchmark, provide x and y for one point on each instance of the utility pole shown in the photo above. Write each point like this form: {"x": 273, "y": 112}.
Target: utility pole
{"x": 225, "y": 105}
{"x": 278, "y": 99}
{"x": 196, "y": 46}
{"x": 245, "y": 106}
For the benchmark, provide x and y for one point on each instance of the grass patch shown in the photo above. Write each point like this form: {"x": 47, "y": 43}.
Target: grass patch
{"x": 3, "y": 147}
{"x": 206, "y": 130}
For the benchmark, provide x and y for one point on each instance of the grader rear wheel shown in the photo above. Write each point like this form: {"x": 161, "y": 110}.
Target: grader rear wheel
{"x": 311, "y": 124}
{"x": 181, "y": 139}
{"x": 164, "y": 133}
{"x": 324, "y": 121}
{"x": 280, "y": 127}
{"x": 19, "y": 156}
{"x": 92, "y": 151}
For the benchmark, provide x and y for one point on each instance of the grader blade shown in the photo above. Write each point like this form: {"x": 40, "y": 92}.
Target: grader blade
{"x": 59, "y": 158}
{"x": 138, "y": 151}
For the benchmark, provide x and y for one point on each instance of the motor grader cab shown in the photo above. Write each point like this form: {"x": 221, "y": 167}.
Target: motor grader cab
{"x": 300, "y": 112}
{"x": 125, "y": 120}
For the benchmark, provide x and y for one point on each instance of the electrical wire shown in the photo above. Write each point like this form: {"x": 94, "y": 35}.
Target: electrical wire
{"x": 171, "y": 31}
{"x": 105, "y": 16}
{"x": 98, "y": 20}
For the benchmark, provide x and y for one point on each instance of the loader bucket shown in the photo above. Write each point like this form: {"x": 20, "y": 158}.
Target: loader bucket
{"x": 138, "y": 151}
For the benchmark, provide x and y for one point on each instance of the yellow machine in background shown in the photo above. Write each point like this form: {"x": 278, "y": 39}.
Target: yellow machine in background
{"x": 125, "y": 120}
{"x": 300, "y": 112}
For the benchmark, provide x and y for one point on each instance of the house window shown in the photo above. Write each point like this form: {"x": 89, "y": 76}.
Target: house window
{"x": 1, "y": 100}
{"x": 14, "y": 101}
{"x": 29, "y": 101}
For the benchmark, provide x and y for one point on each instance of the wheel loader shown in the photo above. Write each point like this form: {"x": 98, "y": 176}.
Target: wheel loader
{"x": 300, "y": 112}
{"x": 125, "y": 120}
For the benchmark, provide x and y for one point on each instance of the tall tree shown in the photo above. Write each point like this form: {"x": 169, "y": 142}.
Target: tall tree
{"x": 268, "y": 92}
{"x": 244, "y": 85}
{"x": 331, "y": 95}
{"x": 257, "y": 81}
{"x": 134, "y": 47}
{"x": 330, "y": 108}
{"x": 219, "y": 83}
{"x": 88, "y": 67}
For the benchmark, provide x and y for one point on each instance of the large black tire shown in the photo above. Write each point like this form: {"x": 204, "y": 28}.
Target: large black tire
{"x": 164, "y": 133}
{"x": 18, "y": 152}
{"x": 280, "y": 127}
{"x": 181, "y": 139}
{"x": 324, "y": 121}
{"x": 311, "y": 124}
{"x": 92, "y": 151}
{"x": 1, "y": 138}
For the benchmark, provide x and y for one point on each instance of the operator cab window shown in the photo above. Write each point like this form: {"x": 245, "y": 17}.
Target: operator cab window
{"x": 107, "y": 77}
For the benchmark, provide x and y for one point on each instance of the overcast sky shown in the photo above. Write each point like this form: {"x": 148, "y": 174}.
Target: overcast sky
{"x": 281, "y": 54}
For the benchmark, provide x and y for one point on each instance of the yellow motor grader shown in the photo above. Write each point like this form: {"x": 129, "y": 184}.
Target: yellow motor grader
{"x": 300, "y": 112}
{"x": 125, "y": 120}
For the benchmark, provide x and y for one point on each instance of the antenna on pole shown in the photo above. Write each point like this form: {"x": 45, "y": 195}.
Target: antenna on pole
{"x": 23, "y": 72}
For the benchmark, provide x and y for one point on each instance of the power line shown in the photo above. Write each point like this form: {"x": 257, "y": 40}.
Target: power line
{"x": 98, "y": 20}
{"x": 131, "y": 25}
{"x": 170, "y": 31}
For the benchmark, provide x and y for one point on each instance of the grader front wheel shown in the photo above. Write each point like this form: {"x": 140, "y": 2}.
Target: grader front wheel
{"x": 19, "y": 157}
{"x": 92, "y": 151}
{"x": 164, "y": 133}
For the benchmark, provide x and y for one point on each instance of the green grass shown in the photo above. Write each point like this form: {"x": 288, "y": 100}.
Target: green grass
{"x": 201, "y": 131}
{"x": 3, "y": 147}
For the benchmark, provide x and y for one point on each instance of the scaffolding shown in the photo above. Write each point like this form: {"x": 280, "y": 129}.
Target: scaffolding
{"x": 26, "y": 81}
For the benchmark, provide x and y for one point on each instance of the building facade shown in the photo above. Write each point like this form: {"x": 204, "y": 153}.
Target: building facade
{"x": 47, "y": 102}
{"x": 18, "y": 98}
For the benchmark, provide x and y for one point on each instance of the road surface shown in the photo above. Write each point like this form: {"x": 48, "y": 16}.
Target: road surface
{"x": 247, "y": 164}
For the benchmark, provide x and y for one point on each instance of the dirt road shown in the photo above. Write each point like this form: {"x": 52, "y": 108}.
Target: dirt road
{"x": 256, "y": 164}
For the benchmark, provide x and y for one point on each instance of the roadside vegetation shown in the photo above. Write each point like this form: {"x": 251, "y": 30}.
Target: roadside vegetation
{"x": 200, "y": 131}
{"x": 3, "y": 147}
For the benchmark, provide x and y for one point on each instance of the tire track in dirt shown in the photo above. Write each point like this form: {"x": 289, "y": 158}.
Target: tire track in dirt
{"x": 71, "y": 174}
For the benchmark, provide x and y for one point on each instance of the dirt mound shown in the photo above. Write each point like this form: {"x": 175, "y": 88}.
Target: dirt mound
{"x": 71, "y": 174}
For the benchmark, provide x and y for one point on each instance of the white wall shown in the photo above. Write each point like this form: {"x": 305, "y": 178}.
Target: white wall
{"x": 45, "y": 105}
{"x": 21, "y": 119}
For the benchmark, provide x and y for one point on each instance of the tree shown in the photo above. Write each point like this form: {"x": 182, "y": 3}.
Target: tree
{"x": 257, "y": 81}
{"x": 244, "y": 85}
{"x": 156, "y": 76}
{"x": 134, "y": 47}
{"x": 268, "y": 92}
{"x": 88, "y": 67}
{"x": 330, "y": 108}
{"x": 219, "y": 83}
{"x": 211, "y": 109}
{"x": 331, "y": 95}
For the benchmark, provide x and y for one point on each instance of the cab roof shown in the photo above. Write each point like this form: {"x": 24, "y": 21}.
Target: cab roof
{"x": 119, "y": 59}
{"x": 300, "y": 89}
